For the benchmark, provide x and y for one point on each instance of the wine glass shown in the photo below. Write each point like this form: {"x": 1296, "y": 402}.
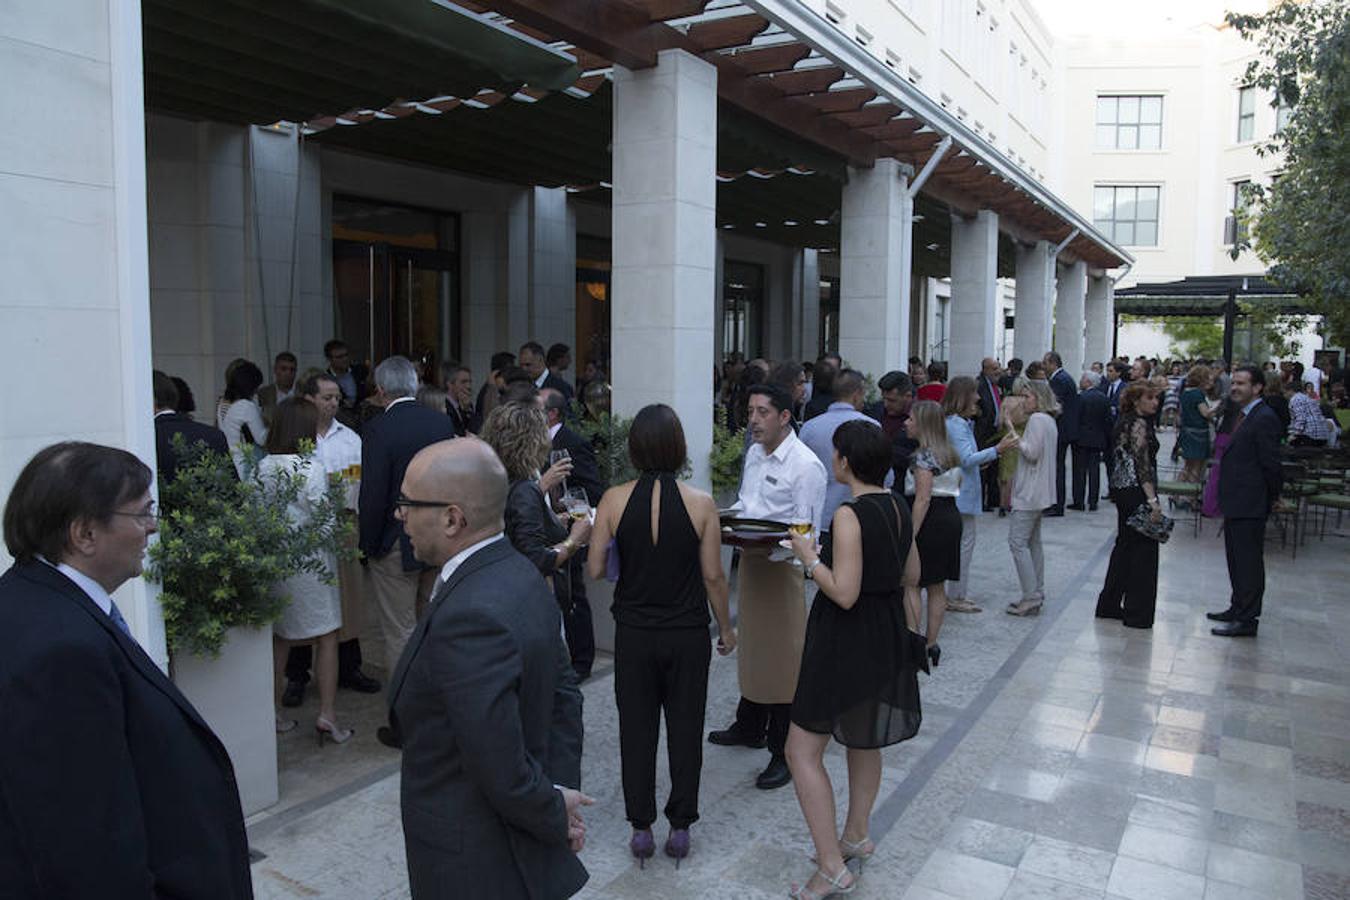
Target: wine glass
{"x": 802, "y": 523}
{"x": 577, "y": 504}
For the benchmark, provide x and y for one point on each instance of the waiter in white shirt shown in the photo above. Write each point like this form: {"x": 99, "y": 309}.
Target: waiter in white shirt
{"x": 783, "y": 481}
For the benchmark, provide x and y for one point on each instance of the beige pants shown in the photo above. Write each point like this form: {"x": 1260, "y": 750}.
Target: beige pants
{"x": 770, "y": 628}
{"x": 398, "y": 596}
{"x": 354, "y": 588}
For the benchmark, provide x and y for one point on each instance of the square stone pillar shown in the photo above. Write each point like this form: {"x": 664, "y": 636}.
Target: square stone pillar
{"x": 875, "y": 258}
{"x": 1034, "y": 304}
{"x": 1070, "y": 296}
{"x": 1099, "y": 310}
{"x": 975, "y": 306}
{"x": 665, "y": 198}
{"x": 806, "y": 303}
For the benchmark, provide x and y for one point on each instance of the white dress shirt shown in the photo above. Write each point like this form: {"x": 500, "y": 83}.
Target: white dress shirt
{"x": 457, "y": 560}
{"x": 775, "y": 485}
{"x": 339, "y": 448}
{"x": 92, "y": 588}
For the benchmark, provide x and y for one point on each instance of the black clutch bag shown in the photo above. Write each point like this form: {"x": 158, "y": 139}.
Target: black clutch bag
{"x": 1141, "y": 520}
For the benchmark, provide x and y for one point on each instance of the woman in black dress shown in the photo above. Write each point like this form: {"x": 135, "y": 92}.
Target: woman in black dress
{"x": 932, "y": 486}
{"x": 859, "y": 675}
{"x": 669, "y": 540}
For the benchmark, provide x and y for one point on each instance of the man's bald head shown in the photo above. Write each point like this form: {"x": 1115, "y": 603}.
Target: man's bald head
{"x": 466, "y": 476}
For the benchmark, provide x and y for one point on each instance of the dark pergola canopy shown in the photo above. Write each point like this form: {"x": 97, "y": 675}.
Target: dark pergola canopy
{"x": 1206, "y": 296}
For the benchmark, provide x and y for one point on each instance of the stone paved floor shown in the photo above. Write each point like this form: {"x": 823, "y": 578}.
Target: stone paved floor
{"x": 1060, "y": 757}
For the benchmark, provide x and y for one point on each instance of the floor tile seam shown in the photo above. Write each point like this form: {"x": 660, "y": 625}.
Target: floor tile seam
{"x": 266, "y": 827}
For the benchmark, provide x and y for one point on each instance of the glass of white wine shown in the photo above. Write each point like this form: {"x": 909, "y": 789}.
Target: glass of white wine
{"x": 576, "y": 503}
{"x": 802, "y": 523}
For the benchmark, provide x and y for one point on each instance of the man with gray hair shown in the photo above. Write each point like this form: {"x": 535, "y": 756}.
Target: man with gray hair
{"x": 389, "y": 442}
{"x": 1094, "y": 432}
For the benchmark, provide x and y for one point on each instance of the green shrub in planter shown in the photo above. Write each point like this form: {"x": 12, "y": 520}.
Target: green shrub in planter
{"x": 608, "y": 434}
{"x": 726, "y": 459}
{"x": 225, "y": 543}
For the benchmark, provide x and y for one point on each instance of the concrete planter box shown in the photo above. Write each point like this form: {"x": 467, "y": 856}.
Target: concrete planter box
{"x": 234, "y": 695}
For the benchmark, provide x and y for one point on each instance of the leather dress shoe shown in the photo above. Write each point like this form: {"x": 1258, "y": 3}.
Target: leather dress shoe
{"x": 775, "y": 774}
{"x": 1226, "y": 616}
{"x": 1053, "y": 513}
{"x": 1076, "y": 507}
{"x": 1235, "y": 629}
{"x": 730, "y": 737}
{"x": 389, "y": 737}
{"x": 360, "y": 682}
{"x": 294, "y": 694}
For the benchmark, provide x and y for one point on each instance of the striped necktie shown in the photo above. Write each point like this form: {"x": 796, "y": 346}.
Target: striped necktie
{"x": 116, "y": 615}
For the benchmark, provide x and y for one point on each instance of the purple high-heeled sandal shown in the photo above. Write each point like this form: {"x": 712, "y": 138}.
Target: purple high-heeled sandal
{"x": 677, "y": 845}
{"x": 642, "y": 846}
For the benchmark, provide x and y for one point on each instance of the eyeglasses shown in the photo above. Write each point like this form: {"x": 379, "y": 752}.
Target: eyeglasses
{"x": 144, "y": 516}
{"x": 403, "y": 502}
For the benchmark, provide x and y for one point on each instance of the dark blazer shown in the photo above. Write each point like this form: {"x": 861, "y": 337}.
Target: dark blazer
{"x": 267, "y": 402}
{"x": 1249, "y": 473}
{"x": 559, "y": 384}
{"x": 1066, "y": 392}
{"x": 986, "y": 421}
{"x": 489, "y": 722}
{"x": 111, "y": 784}
{"x": 388, "y": 443}
{"x": 465, "y": 422}
{"x": 585, "y": 472}
{"x": 170, "y": 424}
{"x": 1112, "y": 390}
{"x": 818, "y": 403}
{"x": 1094, "y": 420}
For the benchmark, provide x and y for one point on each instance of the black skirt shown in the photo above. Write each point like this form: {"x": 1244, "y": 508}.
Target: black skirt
{"x": 939, "y": 542}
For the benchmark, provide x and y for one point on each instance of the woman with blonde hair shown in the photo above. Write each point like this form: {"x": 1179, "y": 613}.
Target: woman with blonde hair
{"x": 933, "y": 482}
{"x": 1033, "y": 491}
{"x": 518, "y": 432}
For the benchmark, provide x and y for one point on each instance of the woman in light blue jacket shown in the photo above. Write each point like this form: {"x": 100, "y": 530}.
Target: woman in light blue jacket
{"x": 961, "y": 403}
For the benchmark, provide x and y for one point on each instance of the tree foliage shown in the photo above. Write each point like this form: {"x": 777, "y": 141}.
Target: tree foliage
{"x": 1302, "y": 230}
{"x": 1193, "y": 338}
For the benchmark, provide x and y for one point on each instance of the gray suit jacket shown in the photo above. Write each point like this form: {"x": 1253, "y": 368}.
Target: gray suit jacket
{"x": 489, "y": 713}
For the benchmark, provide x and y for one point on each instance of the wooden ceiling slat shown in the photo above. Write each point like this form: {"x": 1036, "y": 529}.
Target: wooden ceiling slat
{"x": 870, "y": 115}
{"x": 721, "y": 34}
{"x": 806, "y": 81}
{"x": 662, "y": 10}
{"x": 763, "y": 60}
{"x": 892, "y": 129}
{"x": 839, "y": 101}
{"x": 588, "y": 61}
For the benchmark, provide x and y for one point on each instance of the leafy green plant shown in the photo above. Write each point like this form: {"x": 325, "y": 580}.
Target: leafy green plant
{"x": 725, "y": 459}
{"x": 226, "y": 544}
{"x": 608, "y": 434}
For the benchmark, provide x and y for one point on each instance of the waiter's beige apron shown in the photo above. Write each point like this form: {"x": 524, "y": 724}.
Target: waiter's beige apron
{"x": 770, "y": 627}
{"x": 353, "y": 588}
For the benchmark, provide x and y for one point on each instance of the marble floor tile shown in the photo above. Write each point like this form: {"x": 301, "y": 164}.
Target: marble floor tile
{"x": 1075, "y": 863}
{"x": 1318, "y": 767}
{"x": 1103, "y": 746}
{"x": 1185, "y": 740}
{"x": 1080, "y": 825}
{"x": 987, "y": 840}
{"x": 1322, "y": 791}
{"x": 1183, "y": 788}
{"x": 1170, "y": 815}
{"x": 1023, "y": 782}
{"x": 1278, "y": 877}
{"x": 1179, "y": 762}
{"x": 1273, "y": 839}
{"x": 1165, "y": 848}
{"x": 964, "y": 876}
{"x": 1322, "y": 884}
{"x": 1329, "y": 820}
{"x": 1222, "y": 890}
{"x": 1251, "y": 753}
{"x": 1140, "y": 880}
{"x": 1028, "y": 886}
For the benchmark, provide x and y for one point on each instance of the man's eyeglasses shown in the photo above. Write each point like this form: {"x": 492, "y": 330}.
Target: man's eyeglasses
{"x": 144, "y": 516}
{"x": 405, "y": 503}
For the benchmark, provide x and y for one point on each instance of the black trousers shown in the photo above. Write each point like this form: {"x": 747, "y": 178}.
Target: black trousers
{"x": 661, "y": 670}
{"x": 989, "y": 481}
{"x": 578, "y": 627}
{"x": 1244, "y": 541}
{"x": 1061, "y": 452}
{"x": 1087, "y": 470}
{"x": 301, "y": 659}
{"x": 1131, "y": 588}
{"x": 770, "y": 720}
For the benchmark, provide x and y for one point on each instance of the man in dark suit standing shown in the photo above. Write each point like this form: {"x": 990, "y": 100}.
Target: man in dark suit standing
{"x": 558, "y": 360}
{"x": 1117, "y": 376}
{"x": 169, "y": 423}
{"x": 111, "y": 784}
{"x": 1249, "y": 485}
{"x": 577, "y": 621}
{"x": 986, "y": 426}
{"x": 1094, "y": 427}
{"x": 481, "y": 699}
{"x": 389, "y": 443}
{"x": 351, "y": 379}
{"x": 1066, "y": 392}
{"x": 532, "y": 359}
{"x": 283, "y": 386}
{"x": 459, "y": 405}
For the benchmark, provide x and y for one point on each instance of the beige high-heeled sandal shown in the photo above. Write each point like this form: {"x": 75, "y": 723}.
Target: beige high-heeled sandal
{"x": 802, "y": 892}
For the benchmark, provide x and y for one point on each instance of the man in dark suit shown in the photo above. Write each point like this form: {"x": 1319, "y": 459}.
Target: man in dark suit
{"x": 169, "y": 423}
{"x": 389, "y": 443}
{"x": 111, "y": 784}
{"x": 558, "y": 361}
{"x": 532, "y": 360}
{"x": 483, "y": 699}
{"x": 1117, "y": 376}
{"x": 577, "y": 621}
{"x": 986, "y": 426}
{"x": 1066, "y": 392}
{"x": 351, "y": 379}
{"x": 459, "y": 405}
{"x": 1249, "y": 485}
{"x": 283, "y": 385}
{"x": 1094, "y": 427}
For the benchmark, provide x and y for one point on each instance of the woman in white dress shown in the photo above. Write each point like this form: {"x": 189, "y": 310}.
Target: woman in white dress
{"x": 314, "y": 612}
{"x": 239, "y": 415}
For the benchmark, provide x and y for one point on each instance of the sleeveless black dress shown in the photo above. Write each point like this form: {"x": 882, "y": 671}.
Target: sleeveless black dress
{"x": 859, "y": 676}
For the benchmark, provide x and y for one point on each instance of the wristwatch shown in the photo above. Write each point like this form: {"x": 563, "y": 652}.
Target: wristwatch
{"x": 811, "y": 567}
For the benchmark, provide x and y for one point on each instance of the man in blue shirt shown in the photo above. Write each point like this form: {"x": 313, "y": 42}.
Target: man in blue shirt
{"x": 818, "y": 434}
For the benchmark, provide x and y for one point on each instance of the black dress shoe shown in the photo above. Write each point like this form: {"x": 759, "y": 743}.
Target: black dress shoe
{"x": 775, "y": 774}
{"x": 730, "y": 737}
{"x": 1235, "y": 629}
{"x": 1092, "y": 507}
{"x": 360, "y": 682}
{"x": 389, "y": 737}
{"x": 294, "y": 694}
{"x": 1076, "y": 507}
{"x": 1226, "y": 616}
{"x": 1053, "y": 513}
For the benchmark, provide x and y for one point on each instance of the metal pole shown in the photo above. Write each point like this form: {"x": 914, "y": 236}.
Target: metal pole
{"x": 1229, "y": 324}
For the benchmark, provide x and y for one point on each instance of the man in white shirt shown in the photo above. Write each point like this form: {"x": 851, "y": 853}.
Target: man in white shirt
{"x": 783, "y": 481}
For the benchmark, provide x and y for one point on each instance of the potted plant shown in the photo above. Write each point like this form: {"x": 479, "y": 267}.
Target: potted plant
{"x": 225, "y": 544}
{"x": 725, "y": 461}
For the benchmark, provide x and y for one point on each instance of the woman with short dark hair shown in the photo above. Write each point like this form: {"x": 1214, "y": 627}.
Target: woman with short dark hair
{"x": 313, "y": 610}
{"x": 860, "y": 663}
{"x": 669, "y": 541}
{"x": 239, "y": 415}
{"x": 1130, "y": 592}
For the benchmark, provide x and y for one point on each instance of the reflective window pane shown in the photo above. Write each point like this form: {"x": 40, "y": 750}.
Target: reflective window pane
{"x": 1106, "y": 110}
{"x": 1129, "y": 109}
{"x": 1148, "y": 203}
{"x": 1106, "y": 137}
{"x": 1102, "y": 206}
{"x": 1125, "y": 233}
{"x": 1150, "y": 110}
{"x": 1150, "y": 137}
{"x": 1146, "y": 234}
{"x": 1129, "y": 137}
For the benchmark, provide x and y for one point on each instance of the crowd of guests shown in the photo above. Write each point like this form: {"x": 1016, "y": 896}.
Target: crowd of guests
{"x": 473, "y": 556}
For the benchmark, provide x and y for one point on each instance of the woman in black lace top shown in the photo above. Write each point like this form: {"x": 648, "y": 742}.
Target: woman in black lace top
{"x": 1131, "y": 589}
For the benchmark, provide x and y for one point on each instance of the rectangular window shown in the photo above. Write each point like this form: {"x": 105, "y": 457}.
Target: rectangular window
{"x": 1283, "y": 110}
{"x": 1246, "y": 114}
{"x": 1129, "y": 122}
{"x": 1237, "y": 209}
{"x": 1128, "y": 214}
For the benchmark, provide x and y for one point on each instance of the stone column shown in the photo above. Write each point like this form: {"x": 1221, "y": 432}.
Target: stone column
{"x": 975, "y": 307}
{"x": 665, "y": 197}
{"x": 806, "y": 303}
{"x": 1100, "y": 313}
{"x": 553, "y": 263}
{"x": 1033, "y": 301}
{"x": 875, "y": 258}
{"x": 1069, "y": 300}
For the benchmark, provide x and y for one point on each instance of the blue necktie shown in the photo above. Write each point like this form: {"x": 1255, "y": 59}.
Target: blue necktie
{"x": 116, "y": 615}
